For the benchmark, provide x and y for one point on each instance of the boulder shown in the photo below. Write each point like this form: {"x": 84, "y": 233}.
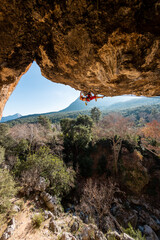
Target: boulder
{"x": 5, "y": 236}
{"x": 48, "y": 214}
{"x": 67, "y": 236}
{"x": 99, "y": 236}
{"x": 117, "y": 236}
{"x": 88, "y": 232}
{"x": 53, "y": 226}
{"x": 108, "y": 224}
{"x": 10, "y": 229}
{"x": 113, "y": 235}
{"x": 144, "y": 217}
{"x": 49, "y": 200}
{"x": 125, "y": 217}
{"x": 16, "y": 208}
{"x": 152, "y": 223}
{"x": 149, "y": 233}
{"x": 75, "y": 224}
{"x": 41, "y": 184}
{"x": 12, "y": 223}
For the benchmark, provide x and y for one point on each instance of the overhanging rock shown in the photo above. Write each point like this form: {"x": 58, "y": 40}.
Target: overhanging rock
{"x": 105, "y": 46}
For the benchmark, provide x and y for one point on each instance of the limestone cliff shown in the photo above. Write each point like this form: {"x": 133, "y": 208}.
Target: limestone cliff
{"x": 110, "y": 47}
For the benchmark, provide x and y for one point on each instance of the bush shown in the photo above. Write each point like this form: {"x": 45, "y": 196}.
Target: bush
{"x": 96, "y": 198}
{"x": 7, "y": 190}
{"x": 136, "y": 234}
{"x": 51, "y": 168}
{"x": 37, "y": 219}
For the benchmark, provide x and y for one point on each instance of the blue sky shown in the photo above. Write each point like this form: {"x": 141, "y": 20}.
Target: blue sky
{"x": 36, "y": 94}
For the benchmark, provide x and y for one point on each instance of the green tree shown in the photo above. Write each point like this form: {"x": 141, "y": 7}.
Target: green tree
{"x": 67, "y": 124}
{"x": 95, "y": 114}
{"x": 84, "y": 120}
{"x": 77, "y": 136}
{"x": 44, "y": 121}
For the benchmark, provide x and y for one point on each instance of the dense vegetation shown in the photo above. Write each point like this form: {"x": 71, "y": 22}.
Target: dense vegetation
{"x": 69, "y": 153}
{"x": 138, "y": 109}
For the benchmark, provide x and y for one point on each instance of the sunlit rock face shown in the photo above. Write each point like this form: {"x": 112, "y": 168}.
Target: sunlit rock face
{"x": 110, "y": 47}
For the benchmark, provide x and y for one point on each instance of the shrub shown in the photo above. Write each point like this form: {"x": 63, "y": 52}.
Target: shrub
{"x": 136, "y": 234}
{"x": 96, "y": 198}
{"x": 7, "y": 190}
{"x": 2, "y": 153}
{"x": 37, "y": 219}
{"x": 51, "y": 168}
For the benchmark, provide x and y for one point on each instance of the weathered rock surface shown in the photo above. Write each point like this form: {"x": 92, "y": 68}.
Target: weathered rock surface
{"x": 41, "y": 184}
{"x": 91, "y": 232}
{"x": 67, "y": 236}
{"x": 125, "y": 217}
{"x": 31, "y": 182}
{"x": 149, "y": 233}
{"x": 9, "y": 231}
{"x": 53, "y": 226}
{"x": 117, "y": 236}
{"x": 75, "y": 225}
{"x": 48, "y": 214}
{"x": 108, "y": 47}
{"x": 16, "y": 208}
{"x": 50, "y": 201}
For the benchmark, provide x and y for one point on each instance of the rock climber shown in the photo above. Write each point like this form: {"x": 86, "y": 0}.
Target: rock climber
{"x": 89, "y": 97}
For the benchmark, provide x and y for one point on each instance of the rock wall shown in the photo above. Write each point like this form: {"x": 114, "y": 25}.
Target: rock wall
{"x": 108, "y": 47}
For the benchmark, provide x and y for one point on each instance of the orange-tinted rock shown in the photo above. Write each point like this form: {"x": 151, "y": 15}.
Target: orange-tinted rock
{"x": 108, "y": 47}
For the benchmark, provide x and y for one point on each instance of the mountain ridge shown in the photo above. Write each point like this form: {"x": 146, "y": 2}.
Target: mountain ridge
{"x": 10, "y": 117}
{"x": 105, "y": 104}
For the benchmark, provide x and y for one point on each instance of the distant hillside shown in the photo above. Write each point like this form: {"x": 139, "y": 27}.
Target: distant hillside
{"x": 100, "y": 103}
{"x": 11, "y": 117}
{"x": 112, "y": 103}
{"x": 108, "y": 104}
{"x": 134, "y": 103}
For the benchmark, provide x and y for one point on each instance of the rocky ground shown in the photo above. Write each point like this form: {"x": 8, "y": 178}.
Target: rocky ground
{"x": 43, "y": 218}
{"x": 134, "y": 200}
{"x": 64, "y": 227}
